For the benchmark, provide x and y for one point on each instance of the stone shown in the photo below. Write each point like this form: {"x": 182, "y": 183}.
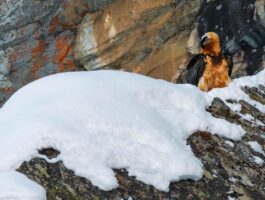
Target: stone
{"x": 147, "y": 37}
{"x": 36, "y": 38}
{"x": 156, "y": 38}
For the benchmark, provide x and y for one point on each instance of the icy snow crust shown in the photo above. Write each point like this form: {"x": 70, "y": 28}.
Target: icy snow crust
{"x": 16, "y": 186}
{"x": 256, "y": 147}
{"x": 108, "y": 119}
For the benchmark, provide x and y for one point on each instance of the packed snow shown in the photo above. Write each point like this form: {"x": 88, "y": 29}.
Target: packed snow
{"x": 231, "y": 144}
{"x": 258, "y": 160}
{"x": 231, "y": 198}
{"x": 108, "y": 119}
{"x": 256, "y": 147}
{"x": 16, "y": 186}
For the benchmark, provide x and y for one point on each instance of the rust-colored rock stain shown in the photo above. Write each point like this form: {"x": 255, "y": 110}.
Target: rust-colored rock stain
{"x": 39, "y": 49}
{"x": 63, "y": 46}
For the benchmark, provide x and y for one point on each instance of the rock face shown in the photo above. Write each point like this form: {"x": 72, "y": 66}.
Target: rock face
{"x": 155, "y": 37}
{"x": 36, "y": 39}
{"x": 230, "y": 168}
{"x": 147, "y": 37}
{"x": 151, "y": 37}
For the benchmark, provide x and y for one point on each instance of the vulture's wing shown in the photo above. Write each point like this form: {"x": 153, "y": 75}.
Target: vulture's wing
{"x": 195, "y": 69}
{"x": 229, "y": 59}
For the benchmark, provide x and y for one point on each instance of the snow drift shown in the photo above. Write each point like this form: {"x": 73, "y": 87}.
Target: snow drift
{"x": 107, "y": 119}
{"x": 16, "y": 186}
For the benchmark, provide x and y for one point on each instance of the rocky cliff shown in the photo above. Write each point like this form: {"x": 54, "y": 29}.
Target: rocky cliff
{"x": 152, "y": 37}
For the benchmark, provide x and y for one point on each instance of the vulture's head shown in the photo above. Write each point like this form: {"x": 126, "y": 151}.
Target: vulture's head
{"x": 210, "y": 44}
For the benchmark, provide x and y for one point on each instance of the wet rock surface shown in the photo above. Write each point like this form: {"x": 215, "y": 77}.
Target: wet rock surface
{"x": 230, "y": 167}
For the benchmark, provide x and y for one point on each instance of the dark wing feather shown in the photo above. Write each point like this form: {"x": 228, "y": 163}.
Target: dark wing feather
{"x": 195, "y": 69}
{"x": 229, "y": 59}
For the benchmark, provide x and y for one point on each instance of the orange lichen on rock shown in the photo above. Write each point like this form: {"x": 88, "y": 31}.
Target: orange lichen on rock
{"x": 64, "y": 55}
{"x": 63, "y": 46}
{"x": 38, "y": 59}
{"x": 68, "y": 65}
{"x": 39, "y": 49}
{"x": 54, "y": 24}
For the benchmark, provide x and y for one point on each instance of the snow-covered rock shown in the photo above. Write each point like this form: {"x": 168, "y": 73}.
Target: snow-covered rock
{"x": 108, "y": 119}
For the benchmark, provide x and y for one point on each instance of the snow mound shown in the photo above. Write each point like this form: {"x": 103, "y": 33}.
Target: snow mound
{"x": 16, "y": 186}
{"x": 107, "y": 119}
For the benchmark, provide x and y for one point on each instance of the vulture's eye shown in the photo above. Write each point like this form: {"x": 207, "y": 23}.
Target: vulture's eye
{"x": 204, "y": 41}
